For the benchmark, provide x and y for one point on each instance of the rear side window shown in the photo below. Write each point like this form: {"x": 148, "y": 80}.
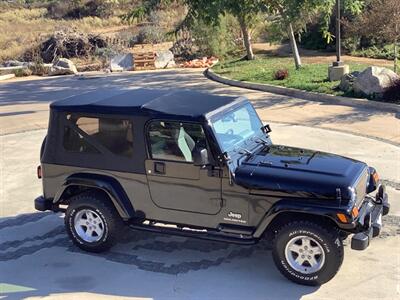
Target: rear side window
{"x": 112, "y": 133}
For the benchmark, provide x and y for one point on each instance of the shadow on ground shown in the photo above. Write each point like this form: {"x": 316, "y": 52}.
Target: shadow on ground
{"x": 40, "y": 260}
{"x": 51, "y": 89}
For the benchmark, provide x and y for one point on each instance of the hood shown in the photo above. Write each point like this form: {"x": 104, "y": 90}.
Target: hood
{"x": 294, "y": 172}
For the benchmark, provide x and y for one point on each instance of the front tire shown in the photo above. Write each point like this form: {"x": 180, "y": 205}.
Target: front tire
{"x": 92, "y": 222}
{"x": 308, "y": 253}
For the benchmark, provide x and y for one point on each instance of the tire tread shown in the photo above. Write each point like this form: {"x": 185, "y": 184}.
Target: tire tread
{"x": 101, "y": 202}
{"x": 330, "y": 232}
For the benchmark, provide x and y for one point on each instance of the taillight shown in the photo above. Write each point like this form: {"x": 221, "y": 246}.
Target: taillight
{"x": 39, "y": 172}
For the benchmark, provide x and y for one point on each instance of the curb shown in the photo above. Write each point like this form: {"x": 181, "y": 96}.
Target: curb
{"x": 311, "y": 96}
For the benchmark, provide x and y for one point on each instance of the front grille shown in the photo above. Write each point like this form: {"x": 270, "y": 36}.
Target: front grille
{"x": 361, "y": 187}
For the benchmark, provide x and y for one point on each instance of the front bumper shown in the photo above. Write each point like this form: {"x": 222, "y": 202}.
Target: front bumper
{"x": 369, "y": 221}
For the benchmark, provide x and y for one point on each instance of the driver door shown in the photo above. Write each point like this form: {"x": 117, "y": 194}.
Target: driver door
{"x": 174, "y": 181}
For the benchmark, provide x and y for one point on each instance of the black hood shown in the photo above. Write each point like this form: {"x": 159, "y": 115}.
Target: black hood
{"x": 293, "y": 172}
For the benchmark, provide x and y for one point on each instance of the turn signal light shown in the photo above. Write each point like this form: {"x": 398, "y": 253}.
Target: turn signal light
{"x": 342, "y": 218}
{"x": 39, "y": 172}
{"x": 354, "y": 212}
{"x": 375, "y": 176}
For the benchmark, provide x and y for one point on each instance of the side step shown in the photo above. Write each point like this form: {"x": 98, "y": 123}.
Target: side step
{"x": 195, "y": 233}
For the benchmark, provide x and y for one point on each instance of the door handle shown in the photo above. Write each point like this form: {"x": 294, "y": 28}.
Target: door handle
{"x": 159, "y": 168}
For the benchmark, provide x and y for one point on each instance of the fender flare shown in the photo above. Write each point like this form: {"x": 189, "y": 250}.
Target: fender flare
{"x": 107, "y": 184}
{"x": 300, "y": 207}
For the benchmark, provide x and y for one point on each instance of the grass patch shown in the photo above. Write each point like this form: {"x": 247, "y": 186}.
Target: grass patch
{"x": 311, "y": 77}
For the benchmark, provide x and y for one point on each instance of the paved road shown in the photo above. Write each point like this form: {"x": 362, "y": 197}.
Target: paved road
{"x": 24, "y": 104}
{"x": 37, "y": 259}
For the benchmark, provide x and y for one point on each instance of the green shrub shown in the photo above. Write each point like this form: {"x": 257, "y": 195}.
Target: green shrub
{"x": 22, "y": 72}
{"x": 385, "y": 52}
{"x": 221, "y": 41}
{"x": 78, "y": 9}
{"x": 281, "y": 74}
{"x": 150, "y": 34}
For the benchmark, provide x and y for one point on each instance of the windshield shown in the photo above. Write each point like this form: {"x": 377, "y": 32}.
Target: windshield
{"x": 237, "y": 126}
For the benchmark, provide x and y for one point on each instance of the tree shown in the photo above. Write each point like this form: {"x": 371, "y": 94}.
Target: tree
{"x": 294, "y": 16}
{"x": 381, "y": 20}
{"x": 245, "y": 11}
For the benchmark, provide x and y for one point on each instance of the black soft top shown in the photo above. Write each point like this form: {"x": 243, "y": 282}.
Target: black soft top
{"x": 175, "y": 102}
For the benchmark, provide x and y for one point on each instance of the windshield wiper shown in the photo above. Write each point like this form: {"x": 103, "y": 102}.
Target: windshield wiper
{"x": 245, "y": 151}
{"x": 261, "y": 140}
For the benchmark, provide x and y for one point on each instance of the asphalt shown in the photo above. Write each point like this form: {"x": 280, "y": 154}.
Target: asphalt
{"x": 37, "y": 259}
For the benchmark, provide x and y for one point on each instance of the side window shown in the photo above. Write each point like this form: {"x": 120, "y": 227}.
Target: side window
{"x": 174, "y": 140}
{"x": 112, "y": 133}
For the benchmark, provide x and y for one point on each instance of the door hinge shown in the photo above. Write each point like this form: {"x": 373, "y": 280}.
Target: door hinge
{"x": 214, "y": 172}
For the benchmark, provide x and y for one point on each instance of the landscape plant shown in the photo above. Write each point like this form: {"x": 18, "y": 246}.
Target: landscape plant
{"x": 380, "y": 20}
{"x": 245, "y": 11}
{"x": 310, "y": 77}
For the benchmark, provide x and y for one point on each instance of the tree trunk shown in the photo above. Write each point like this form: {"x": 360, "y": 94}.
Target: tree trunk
{"x": 293, "y": 45}
{"x": 396, "y": 50}
{"x": 396, "y": 54}
{"x": 246, "y": 39}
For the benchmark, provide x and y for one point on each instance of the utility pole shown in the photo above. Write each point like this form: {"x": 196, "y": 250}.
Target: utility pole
{"x": 338, "y": 68}
{"x": 338, "y": 36}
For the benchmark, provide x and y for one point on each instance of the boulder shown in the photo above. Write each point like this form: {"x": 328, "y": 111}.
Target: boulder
{"x": 347, "y": 81}
{"x": 171, "y": 64}
{"x": 164, "y": 59}
{"x": 121, "y": 62}
{"x": 373, "y": 81}
{"x": 63, "y": 66}
{"x": 14, "y": 63}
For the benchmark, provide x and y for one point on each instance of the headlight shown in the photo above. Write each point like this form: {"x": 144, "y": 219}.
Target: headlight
{"x": 353, "y": 193}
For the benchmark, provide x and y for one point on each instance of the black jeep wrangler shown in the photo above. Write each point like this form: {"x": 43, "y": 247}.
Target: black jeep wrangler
{"x": 186, "y": 163}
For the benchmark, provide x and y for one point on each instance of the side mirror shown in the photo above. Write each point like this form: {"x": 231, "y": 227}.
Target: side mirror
{"x": 266, "y": 129}
{"x": 200, "y": 156}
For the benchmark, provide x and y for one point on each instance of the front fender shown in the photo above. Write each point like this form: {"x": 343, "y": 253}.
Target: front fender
{"x": 301, "y": 207}
{"x": 105, "y": 183}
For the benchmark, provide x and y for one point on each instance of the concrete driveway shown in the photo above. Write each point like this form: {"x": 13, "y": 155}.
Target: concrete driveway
{"x": 37, "y": 259}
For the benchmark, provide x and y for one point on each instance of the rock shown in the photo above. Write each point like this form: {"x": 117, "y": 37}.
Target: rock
{"x": 6, "y": 76}
{"x": 63, "y": 66}
{"x": 347, "y": 81}
{"x": 121, "y": 62}
{"x": 65, "y": 63}
{"x": 14, "y": 63}
{"x": 373, "y": 81}
{"x": 164, "y": 59}
{"x": 171, "y": 64}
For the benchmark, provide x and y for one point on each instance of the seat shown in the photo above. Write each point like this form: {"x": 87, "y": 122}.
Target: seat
{"x": 183, "y": 142}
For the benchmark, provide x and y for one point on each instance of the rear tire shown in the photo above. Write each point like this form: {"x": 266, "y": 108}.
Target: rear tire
{"x": 92, "y": 222}
{"x": 308, "y": 253}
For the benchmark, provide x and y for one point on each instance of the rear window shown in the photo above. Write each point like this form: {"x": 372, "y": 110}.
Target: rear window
{"x": 112, "y": 133}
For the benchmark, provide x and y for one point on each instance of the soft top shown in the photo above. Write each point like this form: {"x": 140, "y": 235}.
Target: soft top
{"x": 177, "y": 102}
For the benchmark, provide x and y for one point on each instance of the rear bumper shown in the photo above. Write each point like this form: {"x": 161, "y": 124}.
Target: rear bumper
{"x": 369, "y": 220}
{"x": 42, "y": 204}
